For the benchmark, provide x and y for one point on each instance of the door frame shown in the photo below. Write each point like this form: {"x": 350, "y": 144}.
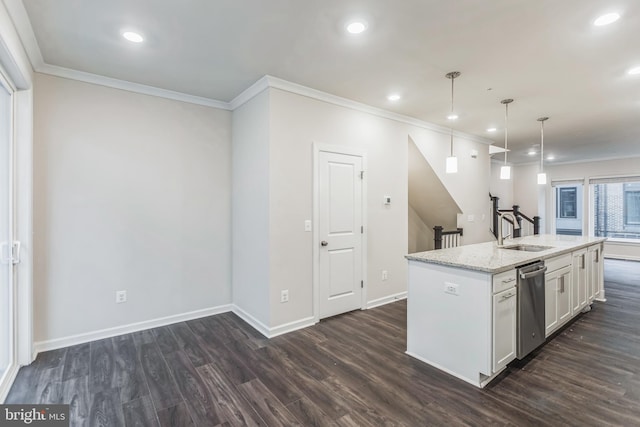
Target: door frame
{"x": 350, "y": 151}
{"x": 16, "y": 71}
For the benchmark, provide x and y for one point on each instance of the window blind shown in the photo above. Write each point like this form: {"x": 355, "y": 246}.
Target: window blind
{"x": 614, "y": 179}
{"x": 556, "y": 182}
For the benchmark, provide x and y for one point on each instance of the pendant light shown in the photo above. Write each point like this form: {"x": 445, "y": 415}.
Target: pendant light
{"x": 452, "y": 161}
{"x": 505, "y": 171}
{"x": 542, "y": 177}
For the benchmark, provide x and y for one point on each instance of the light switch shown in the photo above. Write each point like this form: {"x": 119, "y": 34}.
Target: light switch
{"x": 307, "y": 225}
{"x": 471, "y": 218}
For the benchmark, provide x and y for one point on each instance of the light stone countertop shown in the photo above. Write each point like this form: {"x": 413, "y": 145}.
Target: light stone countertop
{"x": 490, "y": 258}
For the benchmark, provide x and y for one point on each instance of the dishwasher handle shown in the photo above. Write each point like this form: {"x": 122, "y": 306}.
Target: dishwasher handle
{"x": 533, "y": 273}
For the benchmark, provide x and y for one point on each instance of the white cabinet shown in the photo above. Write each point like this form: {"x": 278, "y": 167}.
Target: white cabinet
{"x": 578, "y": 281}
{"x": 557, "y": 293}
{"x": 504, "y": 328}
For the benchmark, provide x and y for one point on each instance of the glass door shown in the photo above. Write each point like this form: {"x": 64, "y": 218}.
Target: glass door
{"x": 6, "y": 234}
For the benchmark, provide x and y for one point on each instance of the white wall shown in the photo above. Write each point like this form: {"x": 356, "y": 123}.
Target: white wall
{"x": 502, "y": 188}
{"x": 131, "y": 192}
{"x": 420, "y": 235}
{"x": 298, "y": 121}
{"x": 586, "y": 170}
{"x": 250, "y": 207}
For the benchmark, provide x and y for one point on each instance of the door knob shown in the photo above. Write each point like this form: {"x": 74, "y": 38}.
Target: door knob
{"x": 324, "y": 243}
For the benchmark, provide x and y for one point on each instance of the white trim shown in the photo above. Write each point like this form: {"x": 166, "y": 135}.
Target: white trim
{"x": 317, "y": 148}
{"x": 23, "y": 134}
{"x": 96, "y": 79}
{"x": 297, "y": 89}
{"x": 7, "y": 381}
{"x": 387, "y": 300}
{"x": 291, "y": 326}
{"x": 249, "y": 93}
{"x": 126, "y": 329}
{"x": 481, "y": 384}
{"x": 252, "y": 321}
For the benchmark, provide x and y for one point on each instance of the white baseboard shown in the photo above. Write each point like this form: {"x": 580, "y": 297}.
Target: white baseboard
{"x": 255, "y": 323}
{"x": 386, "y": 300}
{"x": 291, "y": 326}
{"x": 276, "y": 330}
{"x": 10, "y": 377}
{"x": 126, "y": 329}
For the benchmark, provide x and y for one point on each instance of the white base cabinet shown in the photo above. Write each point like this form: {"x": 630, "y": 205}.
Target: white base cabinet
{"x": 504, "y": 328}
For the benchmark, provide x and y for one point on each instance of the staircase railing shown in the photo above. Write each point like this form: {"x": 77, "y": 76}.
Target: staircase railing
{"x": 525, "y": 228}
{"x": 446, "y": 239}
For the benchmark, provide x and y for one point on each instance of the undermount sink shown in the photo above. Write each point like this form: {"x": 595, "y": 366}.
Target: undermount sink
{"x": 527, "y": 248}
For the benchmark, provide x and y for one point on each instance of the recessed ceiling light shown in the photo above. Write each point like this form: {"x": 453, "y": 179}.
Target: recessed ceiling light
{"x": 133, "y": 37}
{"x": 452, "y": 116}
{"x": 606, "y": 19}
{"x": 356, "y": 27}
{"x": 634, "y": 71}
{"x": 531, "y": 153}
{"x": 393, "y": 97}
{"x": 491, "y": 129}
{"x": 551, "y": 157}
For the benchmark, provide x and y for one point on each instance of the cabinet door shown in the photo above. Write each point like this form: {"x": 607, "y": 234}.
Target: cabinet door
{"x": 564, "y": 295}
{"x": 593, "y": 259}
{"x": 504, "y": 328}
{"x": 579, "y": 281}
{"x": 550, "y": 303}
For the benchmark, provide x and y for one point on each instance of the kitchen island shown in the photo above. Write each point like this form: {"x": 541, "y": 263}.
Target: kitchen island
{"x": 461, "y": 303}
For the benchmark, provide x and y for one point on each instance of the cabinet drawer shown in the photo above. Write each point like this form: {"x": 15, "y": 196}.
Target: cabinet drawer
{"x": 504, "y": 280}
{"x": 558, "y": 262}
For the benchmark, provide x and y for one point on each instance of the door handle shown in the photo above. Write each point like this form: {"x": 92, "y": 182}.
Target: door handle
{"x": 324, "y": 243}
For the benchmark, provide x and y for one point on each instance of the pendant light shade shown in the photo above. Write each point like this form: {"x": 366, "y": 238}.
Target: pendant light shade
{"x": 452, "y": 164}
{"x": 452, "y": 161}
{"x": 505, "y": 170}
{"x": 542, "y": 177}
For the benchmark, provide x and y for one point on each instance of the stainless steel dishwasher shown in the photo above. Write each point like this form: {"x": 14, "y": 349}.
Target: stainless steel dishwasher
{"x": 530, "y": 310}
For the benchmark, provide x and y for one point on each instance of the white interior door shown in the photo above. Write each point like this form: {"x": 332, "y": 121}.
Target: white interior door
{"x": 340, "y": 233}
{"x": 7, "y": 339}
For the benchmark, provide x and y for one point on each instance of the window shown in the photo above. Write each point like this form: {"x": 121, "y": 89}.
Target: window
{"x": 567, "y": 202}
{"x": 631, "y": 204}
{"x": 568, "y": 207}
{"x": 616, "y": 207}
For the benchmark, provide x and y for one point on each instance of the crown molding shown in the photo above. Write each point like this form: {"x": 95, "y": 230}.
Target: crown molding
{"x": 250, "y": 92}
{"x": 82, "y": 76}
{"x": 295, "y": 88}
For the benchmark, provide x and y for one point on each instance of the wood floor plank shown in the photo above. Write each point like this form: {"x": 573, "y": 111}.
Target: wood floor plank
{"x": 106, "y": 409}
{"x": 234, "y": 409}
{"x": 191, "y": 344}
{"x": 162, "y": 387}
{"x": 140, "y": 413}
{"x": 270, "y": 409}
{"x": 309, "y": 413}
{"x": 129, "y": 375}
{"x": 202, "y": 405}
{"x": 175, "y": 416}
{"x": 76, "y": 362}
{"x": 102, "y": 365}
{"x": 75, "y": 393}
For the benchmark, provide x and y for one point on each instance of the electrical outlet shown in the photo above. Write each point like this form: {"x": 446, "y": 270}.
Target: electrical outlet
{"x": 307, "y": 225}
{"x": 121, "y": 296}
{"x": 451, "y": 288}
{"x": 385, "y": 275}
{"x": 284, "y": 295}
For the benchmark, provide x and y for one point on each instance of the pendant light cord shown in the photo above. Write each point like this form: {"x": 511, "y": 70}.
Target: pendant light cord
{"x": 451, "y": 128}
{"x": 506, "y": 131}
{"x": 541, "y": 145}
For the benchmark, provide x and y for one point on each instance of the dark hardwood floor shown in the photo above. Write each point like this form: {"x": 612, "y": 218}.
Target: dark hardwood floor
{"x": 349, "y": 370}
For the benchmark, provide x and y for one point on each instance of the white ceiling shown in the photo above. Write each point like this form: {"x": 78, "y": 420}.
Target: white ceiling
{"x": 546, "y": 54}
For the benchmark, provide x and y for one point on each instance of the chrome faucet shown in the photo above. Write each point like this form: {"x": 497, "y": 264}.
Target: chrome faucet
{"x": 516, "y": 226}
